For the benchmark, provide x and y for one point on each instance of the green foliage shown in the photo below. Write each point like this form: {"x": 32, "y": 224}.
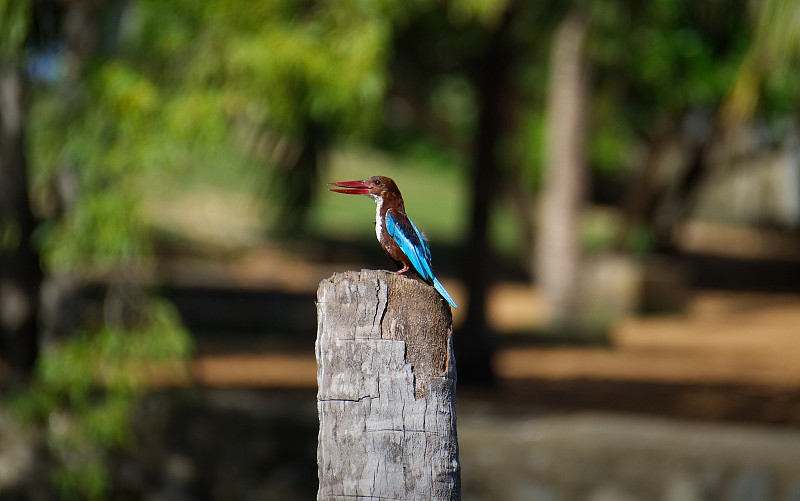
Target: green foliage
{"x": 654, "y": 61}
{"x": 10, "y": 236}
{"x": 609, "y": 147}
{"x": 655, "y": 45}
{"x": 486, "y": 12}
{"x": 278, "y": 64}
{"x": 86, "y": 389}
{"x": 121, "y": 129}
{"x": 14, "y": 21}
{"x": 777, "y": 34}
{"x": 772, "y": 68}
{"x": 86, "y": 478}
{"x": 103, "y": 226}
{"x": 106, "y": 144}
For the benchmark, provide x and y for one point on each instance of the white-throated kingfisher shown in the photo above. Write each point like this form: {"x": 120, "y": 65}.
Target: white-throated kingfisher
{"x": 399, "y": 237}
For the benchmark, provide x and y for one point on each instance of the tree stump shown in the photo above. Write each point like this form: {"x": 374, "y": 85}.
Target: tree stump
{"x": 387, "y": 390}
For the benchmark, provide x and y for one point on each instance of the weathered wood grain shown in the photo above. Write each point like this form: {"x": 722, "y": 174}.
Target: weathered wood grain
{"x": 387, "y": 383}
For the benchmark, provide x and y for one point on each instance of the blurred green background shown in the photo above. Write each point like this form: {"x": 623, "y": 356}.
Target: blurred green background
{"x": 611, "y": 190}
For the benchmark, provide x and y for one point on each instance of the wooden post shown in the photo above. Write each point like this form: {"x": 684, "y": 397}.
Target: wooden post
{"x": 387, "y": 390}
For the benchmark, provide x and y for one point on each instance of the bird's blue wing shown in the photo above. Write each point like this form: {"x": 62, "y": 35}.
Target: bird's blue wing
{"x": 422, "y": 239}
{"x": 410, "y": 240}
{"x": 412, "y": 243}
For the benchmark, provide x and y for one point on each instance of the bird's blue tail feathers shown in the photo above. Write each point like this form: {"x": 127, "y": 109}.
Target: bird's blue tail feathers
{"x": 439, "y": 287}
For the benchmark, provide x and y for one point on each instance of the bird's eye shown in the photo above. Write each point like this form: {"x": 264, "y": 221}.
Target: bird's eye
{"x": 377, "y": 182}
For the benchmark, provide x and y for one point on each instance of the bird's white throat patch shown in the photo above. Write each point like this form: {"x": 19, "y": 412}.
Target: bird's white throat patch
{"x": 378, "y": 221}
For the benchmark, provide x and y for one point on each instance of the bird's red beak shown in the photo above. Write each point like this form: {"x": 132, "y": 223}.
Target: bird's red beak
{"x": 351, "y": 187}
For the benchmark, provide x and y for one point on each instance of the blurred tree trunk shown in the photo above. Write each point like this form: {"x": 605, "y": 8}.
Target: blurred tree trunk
{"x": 558, "y": 246}
{"x": 474, "y": 341}
{"x": 298, "y": 177}
{"x": 20, "y": 275}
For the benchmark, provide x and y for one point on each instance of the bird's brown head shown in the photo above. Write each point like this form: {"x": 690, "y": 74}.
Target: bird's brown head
{"x": 375, "y": 186}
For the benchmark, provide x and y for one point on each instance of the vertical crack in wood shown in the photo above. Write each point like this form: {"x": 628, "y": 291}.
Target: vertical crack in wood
{"x": 382, "y": 303}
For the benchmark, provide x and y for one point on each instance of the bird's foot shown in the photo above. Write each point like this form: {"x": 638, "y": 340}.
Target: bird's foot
{"x": 399, "y": 272}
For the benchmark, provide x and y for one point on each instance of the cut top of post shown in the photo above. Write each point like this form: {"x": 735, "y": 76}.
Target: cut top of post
{"x": 380, "y": 305}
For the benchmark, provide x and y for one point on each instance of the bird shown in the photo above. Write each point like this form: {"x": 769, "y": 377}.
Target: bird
{"x": 396, "y": 233}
